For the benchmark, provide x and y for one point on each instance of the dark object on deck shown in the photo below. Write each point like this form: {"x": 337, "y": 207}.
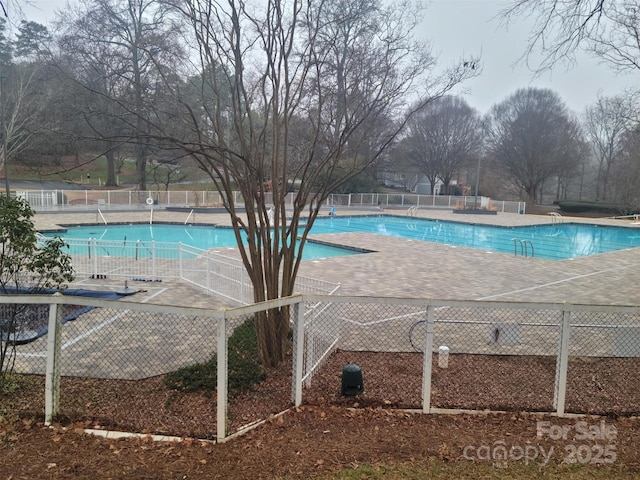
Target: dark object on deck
{"x": 352, "y": 383}
{"x": 33, "y": 321}
{"x": 475, "y": 211}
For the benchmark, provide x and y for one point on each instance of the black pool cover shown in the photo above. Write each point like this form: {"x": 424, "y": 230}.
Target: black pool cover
{"x": 32, "y": 322}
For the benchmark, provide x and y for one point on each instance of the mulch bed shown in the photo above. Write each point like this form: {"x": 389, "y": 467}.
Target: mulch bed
{"x": 324, "y": 435}
{"x": 604, "y": 386}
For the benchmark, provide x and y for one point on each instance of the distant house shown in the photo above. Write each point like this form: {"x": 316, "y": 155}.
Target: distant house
{"x": 416, "y": 183}
{"x": 423, "y": 186}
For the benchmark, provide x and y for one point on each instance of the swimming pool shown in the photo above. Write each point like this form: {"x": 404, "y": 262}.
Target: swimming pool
{"x": 557, "y": 241}
{"x": 122, "y": 239}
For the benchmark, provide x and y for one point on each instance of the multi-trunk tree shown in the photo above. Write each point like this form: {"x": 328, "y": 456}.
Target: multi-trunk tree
{"x": 305, "y": 93}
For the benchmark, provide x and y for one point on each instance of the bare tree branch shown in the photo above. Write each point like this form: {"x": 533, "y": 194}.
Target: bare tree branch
{"x": 609, "y": 29}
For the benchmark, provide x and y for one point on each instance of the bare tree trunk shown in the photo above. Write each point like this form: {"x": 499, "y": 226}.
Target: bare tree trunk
{"x": 272, "y": 330}
{"x": 111, "y": 169}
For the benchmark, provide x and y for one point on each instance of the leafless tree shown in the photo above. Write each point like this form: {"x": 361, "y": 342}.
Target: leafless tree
{"x": 606, "y": 123}
{"x": 532, "y": 137}
{"x": 23, "y": 102}
{"x": 444, "y": 136}
{"x": 610, "y": 29}
{"x": 117, "y": 49}
{"x": 399, "y": 169}
{"x": 318, "y": 92}
{"x": 626, "y": 173}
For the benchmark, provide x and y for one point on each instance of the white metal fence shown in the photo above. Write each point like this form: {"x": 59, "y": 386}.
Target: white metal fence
{"x": 110, "y": 199}
{"x": 409, "y": 200}
{"x": 216, "y": 274}
{"x": 560, "y": 358}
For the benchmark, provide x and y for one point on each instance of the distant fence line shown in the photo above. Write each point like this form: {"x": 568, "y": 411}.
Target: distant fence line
{"x": 42, "y": 200}
{"x": 560, "y": 358}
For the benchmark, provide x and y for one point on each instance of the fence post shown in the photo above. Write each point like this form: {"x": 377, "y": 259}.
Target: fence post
{"x": 207, "y": 274}
{"x": 427, "y": 361}
{"x": 222, "y": 377}
{"x": 153, "y": 256}
{"x": 310, "y": 331}
{"x": 94, "y": 246}
{"x": 562, "y": 364}
{"x": 52, "y": 376}
{"x": 242, "y": 286}
{"x": 298, "y": 352}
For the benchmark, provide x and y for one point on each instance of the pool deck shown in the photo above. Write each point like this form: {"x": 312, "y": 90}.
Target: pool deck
{"x": 409, "y": 268}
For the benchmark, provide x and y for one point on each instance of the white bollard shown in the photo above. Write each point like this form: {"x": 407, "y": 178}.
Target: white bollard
{"x": 443, "y": 357}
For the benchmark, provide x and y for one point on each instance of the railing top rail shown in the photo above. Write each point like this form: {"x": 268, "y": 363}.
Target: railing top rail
{"x": 314, "y": 298}
{"x": 560, "y": 306}
{"x": 120, "y": 304}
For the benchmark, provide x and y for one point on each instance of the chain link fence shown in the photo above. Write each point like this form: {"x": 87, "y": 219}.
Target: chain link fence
{"x": 481, "y": 356}
{"x": 484, "y": 355}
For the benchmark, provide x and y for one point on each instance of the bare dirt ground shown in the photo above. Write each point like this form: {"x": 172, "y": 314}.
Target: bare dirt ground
{"x": 330, "y": 432}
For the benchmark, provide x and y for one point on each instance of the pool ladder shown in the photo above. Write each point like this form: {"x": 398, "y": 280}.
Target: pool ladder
{"x": 524, "y": 250}
{"x": 413, "y": 211}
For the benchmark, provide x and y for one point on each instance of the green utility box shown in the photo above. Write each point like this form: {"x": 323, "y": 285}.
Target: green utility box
{"x": 352, "y": 383}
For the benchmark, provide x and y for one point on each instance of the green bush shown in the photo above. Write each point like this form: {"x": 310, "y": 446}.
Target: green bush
{"x": 244, "y": 367}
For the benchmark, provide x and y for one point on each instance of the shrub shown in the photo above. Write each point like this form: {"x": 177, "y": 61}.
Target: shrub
{"x": 25, "y": 264}
{"x": 571, "y": 206}
{"x": 244, "y": 367}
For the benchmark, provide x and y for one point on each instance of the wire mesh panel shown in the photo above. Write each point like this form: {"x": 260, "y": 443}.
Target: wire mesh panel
{"x": 605, "y": 334}
{"x": 375, "y": 336}
{"x": 255, "y": 392}
{"x": 321, "y": 336}
{"x": 495, "y": 357}
{"x": 228, "y": 278}
{"x": 194, "y": 266}
{"x": 131, "y": 345}
{"x": 215, "y": 273}
{"x": 23, "y": 329}
{"x": 604, "y": 365}
{"x": 379, "y": 326}
{"x": 497, "y": 330}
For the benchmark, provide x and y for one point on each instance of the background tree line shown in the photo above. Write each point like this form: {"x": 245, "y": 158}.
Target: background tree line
{"x": 92, "y": 88}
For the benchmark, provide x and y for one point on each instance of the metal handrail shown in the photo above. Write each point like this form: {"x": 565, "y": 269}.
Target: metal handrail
{"x": 524, "y": 250}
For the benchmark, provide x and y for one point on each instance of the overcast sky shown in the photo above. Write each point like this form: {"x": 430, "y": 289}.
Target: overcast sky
{"x": 457, "y": 27}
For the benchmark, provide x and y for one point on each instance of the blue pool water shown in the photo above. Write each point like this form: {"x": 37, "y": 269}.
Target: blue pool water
{"x": 556, "y": 241}
{"x": 551, "y": 241}
{"x": 202, "y": 237}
